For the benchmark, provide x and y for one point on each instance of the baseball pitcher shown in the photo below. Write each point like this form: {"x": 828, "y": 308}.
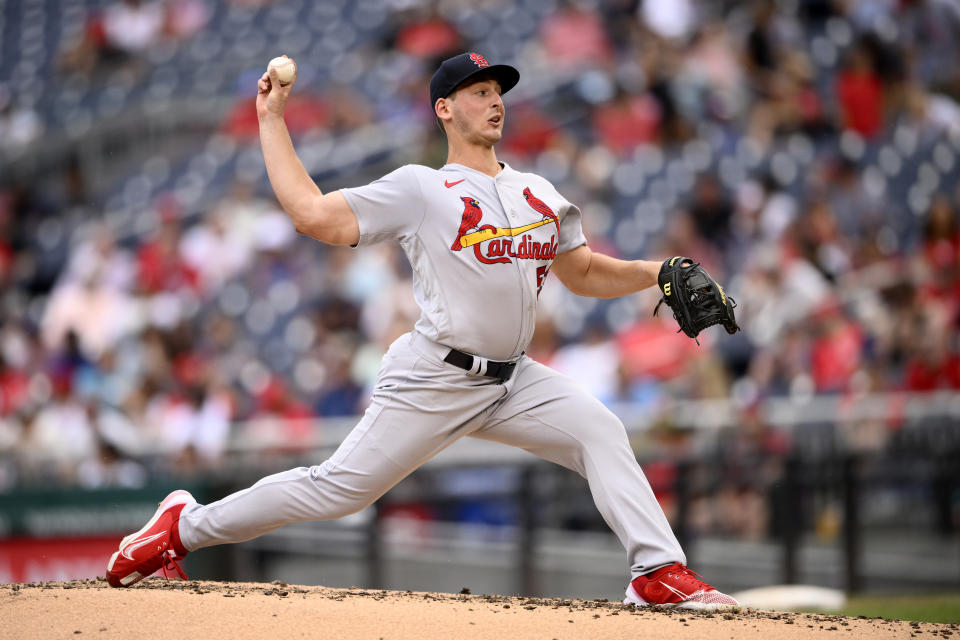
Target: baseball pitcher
{"x": 481, "y": 238}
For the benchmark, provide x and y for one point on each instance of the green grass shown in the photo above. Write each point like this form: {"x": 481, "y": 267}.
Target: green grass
{"x": 944, "y": 607}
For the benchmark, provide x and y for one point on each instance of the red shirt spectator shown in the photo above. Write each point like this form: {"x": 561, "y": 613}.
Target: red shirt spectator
{"x": 14, "y": 389}
{"x": 430, "y": 38}
{"x": 575, "y": 37}
{"x": 860, "y": 92}
{"x": 941, "y": 236}
{"x": 924, "y": 375}
{"x": 835, "y": 354}
{"x": 6, "y": 260}
{"x": 531, "y": 131}
{"x": 653, "y": 348}
{"x": 304, "y": 112}
{"x": 627, "y": 122}
{"x": 159, "y": 265}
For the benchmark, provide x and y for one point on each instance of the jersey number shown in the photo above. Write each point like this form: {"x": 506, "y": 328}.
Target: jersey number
{"x": 541, "y": 277}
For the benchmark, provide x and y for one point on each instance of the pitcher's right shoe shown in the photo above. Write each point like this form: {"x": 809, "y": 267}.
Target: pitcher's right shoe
{"x": 676, "y": 586}
{"x": 156, "y": 545}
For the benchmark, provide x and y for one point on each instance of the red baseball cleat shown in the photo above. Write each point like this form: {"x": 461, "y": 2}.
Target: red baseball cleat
{"x": 156, "y": 545}
{"x": 676, "y": 586}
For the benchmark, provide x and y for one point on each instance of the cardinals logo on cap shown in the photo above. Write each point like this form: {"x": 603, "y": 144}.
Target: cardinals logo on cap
{"x": 479, "y": 60}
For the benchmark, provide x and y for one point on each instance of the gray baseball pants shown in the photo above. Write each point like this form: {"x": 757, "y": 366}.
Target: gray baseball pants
{"x": 420, "y": 406}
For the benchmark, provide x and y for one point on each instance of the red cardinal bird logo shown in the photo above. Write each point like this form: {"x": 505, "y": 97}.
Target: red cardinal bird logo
{"x": 479, "y": 60}
{"x": 541, "y": 207}
{"x": 471, "y": 219}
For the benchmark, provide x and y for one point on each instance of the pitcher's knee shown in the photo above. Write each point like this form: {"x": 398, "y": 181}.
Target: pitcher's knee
{"x": 342, "y": 494}
{"x": 600, "y": 426}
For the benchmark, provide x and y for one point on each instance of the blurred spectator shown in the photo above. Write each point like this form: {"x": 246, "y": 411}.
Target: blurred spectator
{"x": 115, "y": 36}
{"x": 790, "y": 102}
{"x": 61, "y": 435}
{"x": 195, "y": 424}
{"x": 860, "y": 92}
{"x": 14, "y": 393}
{"x": 778, "y": 211}
{"x": 626, "y": 122}
{"x": 661, "y": 68}
{"x": 935, "y": 364}
{"x": 215, "y": 250}
{"x": 681, "y": 238}
{"x": 713, "y": 75}
{"x": 938, "y": 263}
{"x": 932, "y": 114}
{"x": 184, "y": 18}
{"x": 654, "y": 349}
{"x": 594, "y": 362}
{"x": 7, "y": 253}
{"x": 305, "y": 112}
{"x": 673, "y": 20}
{"x": 131, "y": 26}
{"x": 835, "y": 353}
{"x": 98, "y": 256}
{"x": 931, "y": 33}
{"x": 856, "y": 212}
{"x": 160, "y": 266}
{"x": 941, "y": 239}
{"x": 99, "y": 315}
{"x": 280, "y": 421}
{"x": 427, "y": 34}
{"x": 110, "y": 469}
{"x": 340, "y": 394}
{"x": 20, "y": 125}
{"x": 762, "y": 46}
{"x": 776, "y": 290}
{"x": 574, "y": 37}
{"x": 820, "y": 242}
{"x": 711, "y": 211}
{"x": 531, "y": 131}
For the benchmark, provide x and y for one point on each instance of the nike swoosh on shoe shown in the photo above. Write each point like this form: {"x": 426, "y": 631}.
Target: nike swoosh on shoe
{"x": 675, "y": 591}
{"x": 136, "y": 544}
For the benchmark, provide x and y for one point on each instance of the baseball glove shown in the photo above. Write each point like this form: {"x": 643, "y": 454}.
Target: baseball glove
{"x": 697, "y": 301}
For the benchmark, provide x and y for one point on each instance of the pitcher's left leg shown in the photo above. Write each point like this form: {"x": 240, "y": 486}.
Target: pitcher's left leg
{"x": 553, "y": 417}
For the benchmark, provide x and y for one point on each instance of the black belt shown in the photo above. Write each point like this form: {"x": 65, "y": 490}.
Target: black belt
{"x": 500, "y": 370}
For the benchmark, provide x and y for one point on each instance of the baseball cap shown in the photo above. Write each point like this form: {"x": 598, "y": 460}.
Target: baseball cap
{"x": 454, "y": 71}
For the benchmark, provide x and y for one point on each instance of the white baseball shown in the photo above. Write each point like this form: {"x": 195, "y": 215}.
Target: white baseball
{"x": 286, "y": 69}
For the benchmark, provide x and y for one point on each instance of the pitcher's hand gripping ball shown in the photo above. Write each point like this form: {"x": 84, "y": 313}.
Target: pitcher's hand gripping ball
{"x": 286, "y": 69}
{"x": 697, "y": 301}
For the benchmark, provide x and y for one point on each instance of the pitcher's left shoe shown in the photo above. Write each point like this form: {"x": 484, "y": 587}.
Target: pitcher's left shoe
{"x": 677, "y": 586}
{"x": 156, "y": 545}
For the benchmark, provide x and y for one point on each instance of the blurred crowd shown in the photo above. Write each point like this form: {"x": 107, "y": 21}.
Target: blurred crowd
{"x": 805, "y": 152}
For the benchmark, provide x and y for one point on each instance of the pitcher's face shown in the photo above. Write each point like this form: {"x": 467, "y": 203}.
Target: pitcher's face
{"x": 477, "y": 112}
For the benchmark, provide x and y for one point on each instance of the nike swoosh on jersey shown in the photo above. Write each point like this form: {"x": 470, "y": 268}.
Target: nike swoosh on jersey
{"x": 136, "y": 544}
{"x": 452, "y": 184}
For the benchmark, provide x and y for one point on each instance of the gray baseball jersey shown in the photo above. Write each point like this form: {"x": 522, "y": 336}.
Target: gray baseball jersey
{"x": 480, "y": 248}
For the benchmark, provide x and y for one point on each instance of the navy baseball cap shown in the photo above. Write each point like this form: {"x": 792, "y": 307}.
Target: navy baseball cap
{"x": 454, "y": 71}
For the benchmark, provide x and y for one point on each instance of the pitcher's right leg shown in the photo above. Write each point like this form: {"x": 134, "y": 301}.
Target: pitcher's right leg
{"x": 420, "y": 406}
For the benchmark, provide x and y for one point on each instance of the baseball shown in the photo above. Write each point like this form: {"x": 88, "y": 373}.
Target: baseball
{"x": 286, "y": 69}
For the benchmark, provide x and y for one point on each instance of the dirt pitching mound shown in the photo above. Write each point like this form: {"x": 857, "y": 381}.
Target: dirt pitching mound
{"x": 159, "y": 609}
